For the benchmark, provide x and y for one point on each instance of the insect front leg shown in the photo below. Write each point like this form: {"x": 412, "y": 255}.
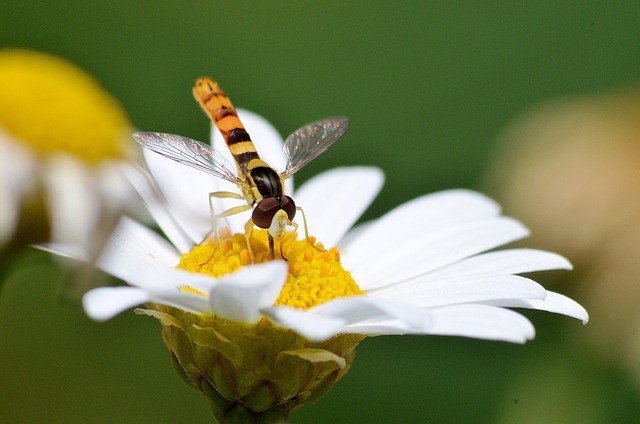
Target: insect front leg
{"x": 248, "y": 229}
{"x": 295, "y": 229}
{"x": 306, "y": 229}
{"x": 213, "y": 232}
{"x": 284, "y": 240}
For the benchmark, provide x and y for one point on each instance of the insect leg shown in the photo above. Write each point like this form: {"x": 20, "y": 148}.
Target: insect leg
{"x": 226, "y": 195}
{"x": 306, "y": 229}
{"x": 272, "y": 248}
{"x": 222, "y": 195}
{"x": 248, "y": 229}
{"x": 284, "y": 240}
{"x": 214, "y": 218}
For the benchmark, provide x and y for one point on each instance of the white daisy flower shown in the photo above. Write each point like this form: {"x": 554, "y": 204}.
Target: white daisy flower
{"x": 62, "y": 146}
{"x": 426, "y": 267}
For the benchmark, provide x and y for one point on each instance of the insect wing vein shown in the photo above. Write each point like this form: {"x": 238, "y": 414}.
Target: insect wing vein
{"x": 188, "y": 152}
{"x": 310, "y": 141}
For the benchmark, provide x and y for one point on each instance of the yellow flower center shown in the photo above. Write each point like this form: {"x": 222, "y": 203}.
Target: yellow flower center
{"x": 52, "y": 106}
{"x": 315, "y": 275}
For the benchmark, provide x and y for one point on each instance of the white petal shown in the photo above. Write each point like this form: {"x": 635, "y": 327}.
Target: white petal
{"x": 357, "y": 309}
{"x": 353, "y": 233}
{"x": 186, "y": 191}
{"x": 417, "y": 218}
{"x": 115, "y": 188}
{"x": 104, "y": 303}
{"x": 85, "y": 203}
{"x": 17, "y": 177}
{"x": 313, "y": 327}
{"x": 334, "y": 200}
{"x": 420, "y": 253}
{"x": 553, "y": 302}
{"x": 133, "y": 243}
{"x": 72, "y": 197}
{"x": 241, "y": 295}
{"x": 186, "y": 301}
{"x": 140, "y": 257}
{"x": 9, "y": 208}
{"x": 511, "y": 261}
{"x": 156, "y": 204}
{"x": 474, "y": 321}
{"x": 344, "y": 314}
{"x": 481, "y": 322}
{"x": 139, "y": 262}
{"x": 381, "y": 328}
{"x": 427, "y": 292}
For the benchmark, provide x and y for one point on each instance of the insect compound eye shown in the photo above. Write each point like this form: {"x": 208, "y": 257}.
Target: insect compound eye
{"x": 265, "y": 210}
{"x": 289, "y": 206}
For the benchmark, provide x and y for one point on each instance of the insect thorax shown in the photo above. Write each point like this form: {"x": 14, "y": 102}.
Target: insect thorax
{"x": 265, "y": 182}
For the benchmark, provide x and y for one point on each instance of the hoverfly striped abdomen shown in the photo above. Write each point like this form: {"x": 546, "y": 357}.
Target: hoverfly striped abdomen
{"x": 219, "y": 108}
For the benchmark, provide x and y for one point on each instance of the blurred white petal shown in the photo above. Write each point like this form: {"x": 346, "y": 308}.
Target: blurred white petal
{"x": 72, "y": 196}
{"x": 132, "y": 242}
{"x": 156, "y": 204}
{"x": 17, "y": 168}
{"x": 186, "y": 191}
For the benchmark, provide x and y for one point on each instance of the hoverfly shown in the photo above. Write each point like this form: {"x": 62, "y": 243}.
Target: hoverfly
{"x": 261, "y": 186}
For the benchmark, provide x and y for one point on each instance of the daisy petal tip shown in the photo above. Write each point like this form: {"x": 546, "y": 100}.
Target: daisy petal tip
{"x": 568, "y": 265}
{"x": 582, "y": 315}
{"x": 560, "y": 304}
{"x": 522, "y": 336}
{"x": 104, "y": 303}
{"x": 376, "y": 176}
{"x": 555, "y": 260}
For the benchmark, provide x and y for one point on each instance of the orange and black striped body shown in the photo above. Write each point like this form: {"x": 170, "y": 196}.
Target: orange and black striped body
{"x": 264, "y": 181}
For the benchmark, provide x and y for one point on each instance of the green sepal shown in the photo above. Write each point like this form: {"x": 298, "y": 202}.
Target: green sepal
{"x": 257, "y": 372}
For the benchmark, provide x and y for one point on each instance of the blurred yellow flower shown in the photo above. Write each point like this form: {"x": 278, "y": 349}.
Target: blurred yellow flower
{"x": 63, "y": 140}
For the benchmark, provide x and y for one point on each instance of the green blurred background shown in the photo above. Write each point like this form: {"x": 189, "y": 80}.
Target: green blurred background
{"x": 428, "y": 87}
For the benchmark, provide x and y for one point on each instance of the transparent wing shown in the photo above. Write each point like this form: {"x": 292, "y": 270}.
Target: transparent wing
{"x": 310, "y": 141}
{"x": 189, "y": 152}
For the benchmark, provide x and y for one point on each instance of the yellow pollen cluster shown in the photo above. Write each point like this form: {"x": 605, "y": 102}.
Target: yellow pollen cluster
{"x": 52, "y": 106}
{"x": 315, "y": 275}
